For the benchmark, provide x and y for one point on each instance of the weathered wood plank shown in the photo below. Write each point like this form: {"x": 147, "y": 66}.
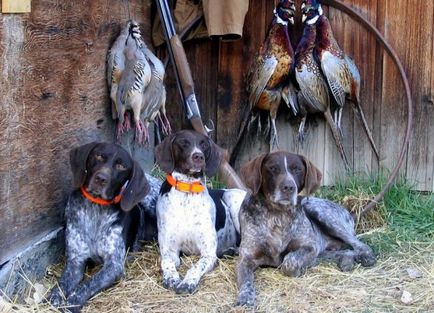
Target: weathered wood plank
{"x": 392, "y": 93}
{"x": 16, "y": 6}
{"x": 205, "y": 76}
{"x": 401, "y": 30}
{"x": 418, "y": 58}
{"x": 430, "y": 126}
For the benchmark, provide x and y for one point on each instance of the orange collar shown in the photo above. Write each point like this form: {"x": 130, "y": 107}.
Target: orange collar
{"x": 100, "y": 201}
{"x": 195, "y": 187}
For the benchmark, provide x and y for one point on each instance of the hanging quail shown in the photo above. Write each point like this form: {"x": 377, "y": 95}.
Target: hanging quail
{"x": 269, "y": 76}
{"x": 154, "y": 98}
{"x": 313, "y": 95}
{"x": 134, "y": 79}
{"x": 341, "y": 73}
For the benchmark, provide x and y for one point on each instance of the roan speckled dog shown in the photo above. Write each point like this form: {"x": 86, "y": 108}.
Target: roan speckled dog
{"x": 280, "y": 229}
{"x": 102, "y": 220}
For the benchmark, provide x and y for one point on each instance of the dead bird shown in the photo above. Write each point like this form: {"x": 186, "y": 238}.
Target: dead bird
{"x": 314, "y": 94}
{"x": 134, "y": 79}
{"x": 116, "y": 62}
{"x": 269, "y": 76}
{"x": 154, "y": 99}
{"x": 340, "y": 71}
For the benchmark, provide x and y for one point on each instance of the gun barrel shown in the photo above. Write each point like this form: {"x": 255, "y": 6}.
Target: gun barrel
{"x": 178, "y": 58}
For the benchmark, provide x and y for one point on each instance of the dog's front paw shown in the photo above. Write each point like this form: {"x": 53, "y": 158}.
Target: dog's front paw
{"x": 346, "y": 263}
{"x": 74, "y": 302}
{"x": 170, "y": 283}
{"x": 366, "y": 258}
{"x": 246, "y": 296}
{"x": 292, "y": 269}
{"x": 55, "y": 298}
{"x": 185, "y": 287}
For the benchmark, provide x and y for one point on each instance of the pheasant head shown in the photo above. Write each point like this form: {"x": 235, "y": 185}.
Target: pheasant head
{"x": 285, "y": 11}
{"x": 311, "y": 10}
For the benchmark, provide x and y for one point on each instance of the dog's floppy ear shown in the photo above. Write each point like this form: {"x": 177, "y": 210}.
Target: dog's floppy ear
{"x": 164, "y": 154}
{"x": 136, "y": 190}
{"x": 251, "y": 173}
{"x": 312, "y": 178}
{"x": 214, "y": 158}
{"x": 78, "y": 159}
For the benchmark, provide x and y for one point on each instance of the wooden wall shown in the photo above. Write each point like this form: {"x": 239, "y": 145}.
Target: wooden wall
{"x": 53, "y": 97}
{"x": 219, "y": 72}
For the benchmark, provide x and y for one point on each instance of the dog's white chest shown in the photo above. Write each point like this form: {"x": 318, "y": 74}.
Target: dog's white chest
{"x": 185, "y": 218}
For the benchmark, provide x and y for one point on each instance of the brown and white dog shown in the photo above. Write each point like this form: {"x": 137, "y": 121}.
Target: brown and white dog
{"x": 280, "y": 229}
{"x": 192, "y": 219}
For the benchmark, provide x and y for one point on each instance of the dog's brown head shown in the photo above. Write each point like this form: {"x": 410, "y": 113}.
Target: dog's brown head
{"x": 103, "y": 169}
{"x": 280, "y": 176}
{"x": 189, "y": 152}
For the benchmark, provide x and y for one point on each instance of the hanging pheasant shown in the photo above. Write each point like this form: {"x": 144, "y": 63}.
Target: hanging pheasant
{"x": 341, "y": 73}
{"x": 269, "y": 76}
{"x": 313, "y": 95}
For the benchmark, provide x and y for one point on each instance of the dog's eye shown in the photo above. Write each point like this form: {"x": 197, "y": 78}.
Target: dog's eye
{"x": 184, "y": 143}
{"x": 273, "y": 169}
{"x": 120, "y": 167}
{"x": 100, "y": 157}
{"x": 295, "y": 169}
{"x": 204, "y": 145}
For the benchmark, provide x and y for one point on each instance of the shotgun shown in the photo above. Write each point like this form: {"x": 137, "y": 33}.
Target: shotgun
{"x": 184, "y": 81}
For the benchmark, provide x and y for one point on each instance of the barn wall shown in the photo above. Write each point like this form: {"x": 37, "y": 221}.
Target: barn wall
{"x": 53, "y": 97}
{"x": 219, "y": 73}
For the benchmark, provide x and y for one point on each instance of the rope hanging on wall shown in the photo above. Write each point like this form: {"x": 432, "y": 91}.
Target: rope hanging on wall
{"x": 337, "y": 4}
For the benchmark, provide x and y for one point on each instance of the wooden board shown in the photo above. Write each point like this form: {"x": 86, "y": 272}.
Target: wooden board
{"x": 16, "y": 6}
{"x": 403, "y": 32}
{"x": 417, "y": 60}
{"x": 430, "y": 127}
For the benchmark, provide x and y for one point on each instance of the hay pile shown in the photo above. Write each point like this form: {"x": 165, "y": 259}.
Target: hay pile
{"x": 373, "y": 219}
{"x": 401, "y": 281}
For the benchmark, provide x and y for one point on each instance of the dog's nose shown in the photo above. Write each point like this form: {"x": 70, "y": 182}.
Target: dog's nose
{"x": 288, "y": 187}
{"x": 101, "y": 179}
{"x": 198, "y": 157}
